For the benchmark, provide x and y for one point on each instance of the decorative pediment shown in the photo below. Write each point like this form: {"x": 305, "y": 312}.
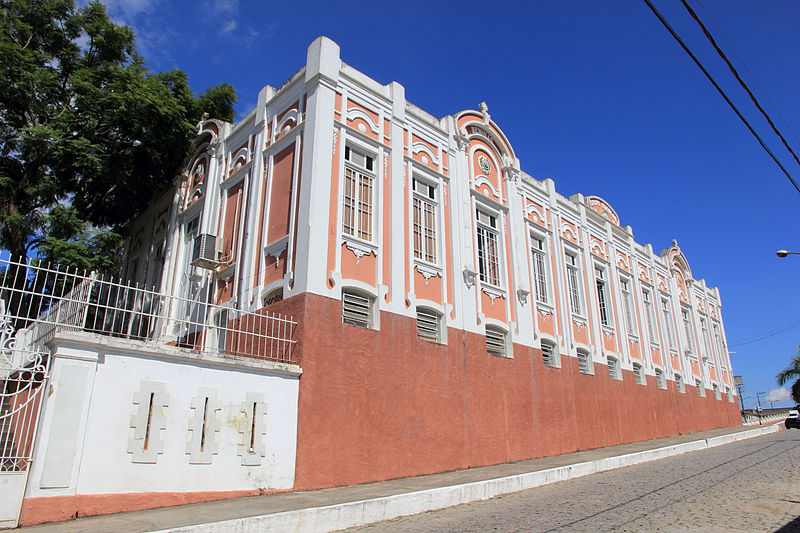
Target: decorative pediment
{"x": 602, "y": 208}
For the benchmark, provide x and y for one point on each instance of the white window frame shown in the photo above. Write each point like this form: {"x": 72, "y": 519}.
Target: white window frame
{"x": 701, "y": 389}
{"x": 628, "y": 307}
{"x": 572, "y": 273}
{"x": 679, "y": 383}
{"x": 552, "y": 359}
{"x": 358, "y": 299}
{"x": 493, "y": 335}
{"x": 614, "y": 370}
{"x": 638, "y": 374}
{"x": 686, "y": 319}
{"x": 666, "y": 312}
{"x": 487, "y": 234}
{"x": 717, "y": 394}
{"x": 585, "y": 363}
{"x": 427, "y": 252}
{"x": 539, "y": 268}
{"x": 661, "y": 379}
{"x": 647, "y": 301}
{"x": 361, "y": 175}
{"x": 429, "y": 316}
{"x": 603, "y": 302}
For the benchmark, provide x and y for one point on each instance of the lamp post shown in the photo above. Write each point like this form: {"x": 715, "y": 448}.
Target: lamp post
{"x": 784, "y": 253}
{"x": 758, "y": 397}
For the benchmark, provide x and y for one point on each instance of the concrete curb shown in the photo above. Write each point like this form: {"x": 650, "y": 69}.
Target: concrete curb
{"x": 352, "y": 514}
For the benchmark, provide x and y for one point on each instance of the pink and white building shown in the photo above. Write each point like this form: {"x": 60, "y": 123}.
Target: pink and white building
{"x": 444, "y": 310}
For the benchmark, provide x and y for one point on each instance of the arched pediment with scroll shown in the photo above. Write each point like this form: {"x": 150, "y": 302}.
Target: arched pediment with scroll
{"x": 491, "y": 157}
{"x": 602, "y": 208}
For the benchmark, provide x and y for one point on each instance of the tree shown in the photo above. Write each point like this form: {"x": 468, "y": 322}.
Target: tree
{"x": 87, "y": 133}
{"x": 792, "y": 372}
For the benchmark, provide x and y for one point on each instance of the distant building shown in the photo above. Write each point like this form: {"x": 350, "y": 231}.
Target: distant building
{"x": 451, "y": 310}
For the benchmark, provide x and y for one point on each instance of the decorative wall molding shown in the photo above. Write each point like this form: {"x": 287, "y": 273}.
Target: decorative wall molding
{"x": 203, "y": 426}
{"x": 148, "y": 421}
{"x": 493, "y": 293}
{"x": 427, "y": 271}
{"x": 358, "y": 249}
{"x": 469, "y": 276}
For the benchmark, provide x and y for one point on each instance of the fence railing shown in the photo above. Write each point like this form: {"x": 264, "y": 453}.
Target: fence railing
{"x": 42, "y": 299}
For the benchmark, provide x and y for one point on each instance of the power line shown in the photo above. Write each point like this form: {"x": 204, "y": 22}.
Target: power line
{"x": 767, "y": 335}
{"x": 738, "y": 78}
{"x": 721, "y": 92}
{"x": 746, "y": 68}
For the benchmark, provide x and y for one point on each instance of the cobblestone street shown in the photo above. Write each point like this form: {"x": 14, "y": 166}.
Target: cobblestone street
{"x": 748, "y": 486}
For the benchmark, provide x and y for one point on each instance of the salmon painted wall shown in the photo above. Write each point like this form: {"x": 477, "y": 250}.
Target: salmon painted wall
{"x": 384, "y": 404}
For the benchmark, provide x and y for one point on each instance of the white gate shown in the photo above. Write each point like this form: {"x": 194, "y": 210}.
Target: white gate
{"x": 23, "y": 375}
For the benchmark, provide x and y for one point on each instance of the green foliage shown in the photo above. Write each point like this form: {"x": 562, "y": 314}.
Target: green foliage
{"x": 87, "y": 134}
{"x": 791, "y": 372}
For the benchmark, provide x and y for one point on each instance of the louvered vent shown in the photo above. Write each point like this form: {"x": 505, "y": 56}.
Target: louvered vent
{"x": 356, "y": 309}
{"x": 428, "y": 325}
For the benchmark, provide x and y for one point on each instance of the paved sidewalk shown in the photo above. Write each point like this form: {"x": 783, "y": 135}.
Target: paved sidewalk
{"x": 342, "y": 507}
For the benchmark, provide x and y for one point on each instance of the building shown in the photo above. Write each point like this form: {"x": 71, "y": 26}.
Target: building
{"x": 447, "y": 311}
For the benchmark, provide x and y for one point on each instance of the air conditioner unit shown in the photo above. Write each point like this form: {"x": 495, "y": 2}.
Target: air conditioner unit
{"x": 204, "y": 253}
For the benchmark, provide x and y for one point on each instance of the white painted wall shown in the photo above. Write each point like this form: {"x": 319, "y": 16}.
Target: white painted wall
{"x": 83, "y": 445}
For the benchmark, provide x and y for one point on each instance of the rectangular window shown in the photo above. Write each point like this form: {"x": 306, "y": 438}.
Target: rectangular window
{"x": 701, "y": 391}
{"x": 584, "y": 365}
{"x": 719, "y": 346}
{"x": 649, "y": 313}
{"x": 356, "y": 309}
{"x": 428, "y": 325}
{"x": 358, "y": 191}
{"x": 638, "y": 374}
{"x": 601, "y": 295}
{"x": 573, "y": 285}
{"x": 707, "y": 341}
{"x": 687, "y": 327}
{"x": 424, "y": 209}
{"x": 670, "y": 325}
{"x": 539, "y": 255}
{"x": 627, "y": 304}
{"x": 488, "y": 257}
{"x": 717, "y": 395}
{"x": 495, "y": 341}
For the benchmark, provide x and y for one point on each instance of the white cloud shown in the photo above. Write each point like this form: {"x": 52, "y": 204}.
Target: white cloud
{"x": 228, "y": 27}
{"x": 224, "y": 6}
{"x": 779, "y": 395}
{"x": 129, "y": 8}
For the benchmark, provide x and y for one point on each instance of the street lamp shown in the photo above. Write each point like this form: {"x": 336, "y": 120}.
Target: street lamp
{"x": 784, "y": 253}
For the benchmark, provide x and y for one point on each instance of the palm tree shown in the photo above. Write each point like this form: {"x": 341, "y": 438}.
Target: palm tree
{"x": 792, "y": 372}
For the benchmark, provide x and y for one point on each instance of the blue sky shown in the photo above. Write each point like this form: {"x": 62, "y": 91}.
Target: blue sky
{"x": 595, "y": 95}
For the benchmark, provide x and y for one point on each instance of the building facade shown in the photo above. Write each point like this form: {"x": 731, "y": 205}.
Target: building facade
{"x": 452, "y": 311}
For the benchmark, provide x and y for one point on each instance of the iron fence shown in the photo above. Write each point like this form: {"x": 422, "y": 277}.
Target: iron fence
{"x": 39, "y": 300}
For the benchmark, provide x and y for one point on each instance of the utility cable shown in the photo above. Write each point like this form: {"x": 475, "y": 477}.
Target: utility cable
{"x": 721, "y": 92}
{"x": 746, "y": 68}
{"x": 766, "y": 335}
{"x": 738, "y": 78}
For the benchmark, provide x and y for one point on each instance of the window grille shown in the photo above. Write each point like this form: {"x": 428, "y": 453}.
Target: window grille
{"x": 488, "y": 257}
{"x": 700, "y": 389}
{"x": 549, "y": 354}
{"x": 687, "y": 326}
{"x": 495, "y": 341}
{"x": 661, "y": 381}
{"x": 627, "y": 303}
{"x": 716, "y": 391}
{"x": 707, "y": 341}
{"x": 638, "y": 374}
{"x": 670, "y": 325}
{"x": 601, "y": 296}
{"x": 651, "y": 321}
{"x": 679, "y": 383}
{"x": 356, "y": 309}
{"x": 613, "y": 368}
{"x": 539, "y": 272}
{"x": 358, "y": 191}
{"x": 584, "y": 365}
{"x": 273, "y": 297}
{"x": 424, "y": 221}
{"x": 428, "y": 325}
{"x": 729, "y": 393}
{"x": 572, "y": 284}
